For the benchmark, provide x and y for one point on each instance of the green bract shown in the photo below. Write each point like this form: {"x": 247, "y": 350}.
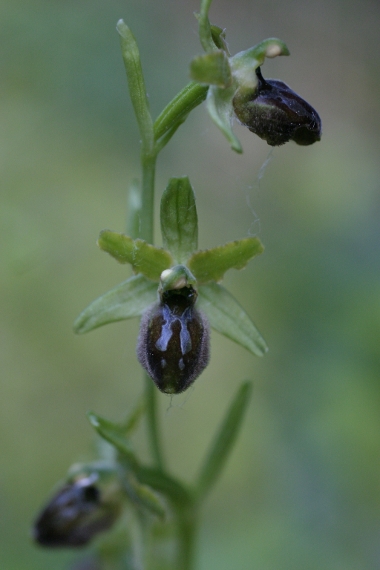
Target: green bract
{"x": 201, "y": 269}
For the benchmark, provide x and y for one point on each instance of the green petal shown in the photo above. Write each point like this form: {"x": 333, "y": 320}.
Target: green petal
{"x": 212, "y": 69}
{"x": 228, "y": 318}
{"x": 211, "y": 264}
{"x": 179, "y": 220}
{"x": 245, "y": 62}
{"x": 224, "y": 440}
{"x": 219, "y": 106}
{"x": 144, "y": 257}
{"x": 271, "y": 47}
{"x": 126, "y": 300}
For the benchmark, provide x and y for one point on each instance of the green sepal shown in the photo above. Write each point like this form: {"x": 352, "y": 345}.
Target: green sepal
{"x": 211, "y": 264}
{"x": 144, "y": 257}
{"x": 143, "y": 496}
{"x": 126, "y": 300}
{"x": 223, "y": 441}
{"x": 212, "y": 69}
{"x": 179, "y": 220}
{"x": 228, "y": 318}
{"x": 113, "y": 433}
{"x": 219, "y": 106}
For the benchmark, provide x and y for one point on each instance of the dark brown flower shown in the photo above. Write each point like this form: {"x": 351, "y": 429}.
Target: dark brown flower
{"x": 75, "y": 514}
{"x": 173, "y": 344}
{"x": 277, "y": 114}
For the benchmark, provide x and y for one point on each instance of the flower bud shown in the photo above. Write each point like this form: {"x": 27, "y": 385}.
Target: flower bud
{"x": 173, "y": 344}
{"x": 77, "y": 512}
{"x": 277, "y": 114}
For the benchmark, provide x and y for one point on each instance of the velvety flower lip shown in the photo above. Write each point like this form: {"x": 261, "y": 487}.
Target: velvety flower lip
{"x": 277, "y": 114}
{"x": 173, "y": 344}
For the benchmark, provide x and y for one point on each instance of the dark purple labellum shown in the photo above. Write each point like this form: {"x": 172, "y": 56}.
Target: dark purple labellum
{"x": 74, "y": 516}
{"x": 277, "y": 114}
{"x": 173, "y": 344}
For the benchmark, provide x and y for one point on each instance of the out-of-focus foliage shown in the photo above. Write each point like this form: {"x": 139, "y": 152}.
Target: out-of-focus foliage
{"x": 302, "y": 487}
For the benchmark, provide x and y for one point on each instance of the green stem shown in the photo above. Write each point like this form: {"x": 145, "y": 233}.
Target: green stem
{"x": 148, "y": 167}
{"x": 187, "y": 533}
{"x": 153, "y": 431}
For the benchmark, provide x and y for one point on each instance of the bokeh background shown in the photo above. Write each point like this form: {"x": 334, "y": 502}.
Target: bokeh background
{"x": 302, "y": 487}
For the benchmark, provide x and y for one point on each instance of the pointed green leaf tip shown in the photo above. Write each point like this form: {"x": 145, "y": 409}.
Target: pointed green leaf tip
{"x": 144, "y": 258}
{"x": 212, "y": 69}
{"x": 211, "y": 264}
{"x": 228, "y": 318}
{"x": 224, "y": 440}
{"x": 179, "y": 219}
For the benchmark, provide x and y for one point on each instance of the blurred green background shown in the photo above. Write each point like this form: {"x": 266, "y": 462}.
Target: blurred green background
{"x": 302, "y": 488}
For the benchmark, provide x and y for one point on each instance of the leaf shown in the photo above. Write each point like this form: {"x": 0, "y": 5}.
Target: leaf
{"x": 212, "y": 69}
{"x": 179, "y": 220}
{"x": 228, "y": 318}
{"x": 211, "y": 264}
{"x": 113, "y": 434}
{"x": 126, "y": 300}
{"x": 144, "y": 257}
{"x": 136, "y": 84}
{"x": 219, "y": 106}
{"x": 224, "y": 440}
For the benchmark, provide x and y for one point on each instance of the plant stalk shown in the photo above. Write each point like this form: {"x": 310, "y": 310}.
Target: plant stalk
{"x": 152, "y": 422}
{"x": 187, "y": 533}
